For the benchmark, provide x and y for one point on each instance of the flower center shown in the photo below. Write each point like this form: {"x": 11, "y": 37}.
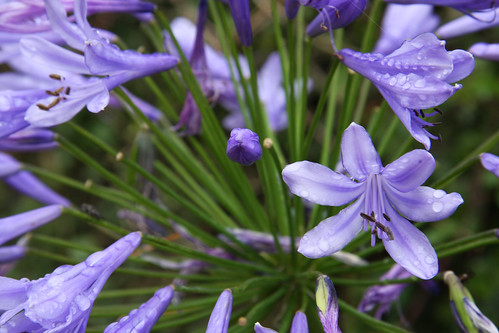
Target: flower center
{"x": 59, "y": 94}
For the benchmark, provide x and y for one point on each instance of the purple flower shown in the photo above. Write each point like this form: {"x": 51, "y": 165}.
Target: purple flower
{"x": 333, "y": 14}
{"x": 30, "y": 139}
{"x": 26, "y": 183}
{"x": 16, "y": 225}
{"x": 61, "y": 301}
{"x": 240, "y": 10}
{"x": 384, "y": 295}
{"x": 299, "y": 325}
{"x": 403, "y": 22}
{"x": 461, "y": 5}
{"x": 327, "y": 304}
{"x": 414, "y": 77}
{"x": 485, "y": 51}
{"x": 468, "y": 24}
{"x": 142, "y": 320}
{"x": 243, "y": 146}
{"x": 220, "y": 316}
{"x": 11, "y": 253}
{"x": 490, "y": 162}
{"x": 381, "y": 194}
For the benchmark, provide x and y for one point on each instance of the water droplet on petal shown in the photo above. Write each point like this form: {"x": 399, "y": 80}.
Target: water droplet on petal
{"x": 429, "y": 260}
{"x": 324, "y": 245}
{"x": 392, "y": 81}
{"x": 421, "y": 83}
{"x": 438, "y": 194}
{"x": 437, "y": 207}
{"x": 304, "y": 194}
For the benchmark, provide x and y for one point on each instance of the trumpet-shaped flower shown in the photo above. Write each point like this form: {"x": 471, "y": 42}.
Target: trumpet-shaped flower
{"x": 468, "y": 24}
{"x": 141, "y": 320}
{"x": 61, "y": 301}
{"x": 381, "y": 195}
{"x": 414, "y": 77}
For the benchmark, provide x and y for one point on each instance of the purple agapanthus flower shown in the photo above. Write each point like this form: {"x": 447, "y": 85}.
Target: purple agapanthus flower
{"x": 61, "y": 301}
{"x": 490, "y": 162}
{"x": 100, "y": 58}
{"x": 403, "y": 22}
{"x": 142, "y": 320}
{"x": 469, "y": 24}
{"x": 220, "y": 316}
{"x": 327, "y": 304}
{"x": 485, "y": 51}
{"x": 383, "y": 296}
{"x": 16, "y": 225}
{"x": 461, "y": 5}
{"x": 30, "y": 139}
{"x": 414, "y": 77}
{"x": 240, "y": 10}
{"x": 299, "y": 325}
{"x": 383, "y": 195}
{"x": 243, "y": 146}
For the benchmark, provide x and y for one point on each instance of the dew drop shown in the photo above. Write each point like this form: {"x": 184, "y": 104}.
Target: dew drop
{"x": 421, "y": 83}
{"x": 438, "y": 194}
{"x": 392, "y": 81}
{"x": 429, "y": 260}
{"x": 437, "y": 207}
{"x": 390, "y": 62}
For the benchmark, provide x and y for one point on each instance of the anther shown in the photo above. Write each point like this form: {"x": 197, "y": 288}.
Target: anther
{"x": 389, "y": 233}
{"x": 51, "y": 93}
{"x": 54, "y": 102}
{"x": 42, "y": 107}
{"x": 387, "y": 217}
{"x": 439, "y": 138}
{"x": 68, "y": 89}
{"x": 367, "y": 217}
{"x": 422, "y": 114}
{"x": 438, "y": 110}
{"x": 56, "y": 77}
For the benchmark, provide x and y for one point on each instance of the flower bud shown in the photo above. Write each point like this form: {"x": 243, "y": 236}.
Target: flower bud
{"x": 327, "y": 304}
{"x": 243, "y": 146}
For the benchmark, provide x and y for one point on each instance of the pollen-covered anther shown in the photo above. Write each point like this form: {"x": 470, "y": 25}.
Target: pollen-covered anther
{"x": 56, "y": 77}
{"x": 367, "y": 217}
{"x": 387, "y": 218}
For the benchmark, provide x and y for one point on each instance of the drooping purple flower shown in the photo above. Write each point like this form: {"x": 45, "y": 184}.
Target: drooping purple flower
{"x": 381, "y": 195}
{"x": 403, "y": 22}
{"x": 384, "y": 295}
{"x": 414, "y": 77}
{"x": 11, "y": 253}
{"x": 327, "y": 304}
{"x": 490, "y": 162}
{"x": 243, "y": 146}
{"x": 333, "y": 14}
{"x": 16, "y": 225}
{"x": 61, "y": 301}
{"x": 485, "y": 51}
{"x": 142, "y": 320}
{"x": 468, "y": 24}
{"x": 220, "y": 316}
{"x": 30, "y": 139}
{"x": 299, "y": 325}
{"x": 461, "y": 5}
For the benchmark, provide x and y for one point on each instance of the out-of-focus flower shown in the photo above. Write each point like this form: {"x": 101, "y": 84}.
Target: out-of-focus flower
{"x": 240, "y": 10}
{"x": 403, "y": 22}
{"x": 485, "y": 51}
{"x": 327, "y": 304}
{"x": 26, "y": 183}
{"x": 299, "y": 325}
{"x": 243, "y": 146}
{"x": 10, "y": 254}
{"x": 61, "y": 301}
{"x": 381, "y": 194}
{"x": 461, "y": 5}
{"x": 468, "y": 24}
{"x": 384, "y": 295}
{"x": 490, "y": 162}
{"x": 142, "y": 320}
{"x": 468, "y": 317}
{"x": 414, "y": 77}
{"x": 30, "y": 139}
{"x": 220, "y": 316}
{"x": 16, "y": 225}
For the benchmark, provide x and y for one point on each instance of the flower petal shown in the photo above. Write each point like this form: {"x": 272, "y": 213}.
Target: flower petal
{"x": 490, "y": 162}
{"x": 410, "y": 170}
{"x": 220, "y": 317}
{"x": 424, "y": 204}
{"x": 485, "y": 51}
{"x": 463, "y": 62}
{"x": 410, "y": 248}
{"x": 334, "y": 233}
{"x": 358, "y": 154}
{"x": 319, "y": 184}
{"x": 260, "y": 329}
{"x": 299, "y": 324}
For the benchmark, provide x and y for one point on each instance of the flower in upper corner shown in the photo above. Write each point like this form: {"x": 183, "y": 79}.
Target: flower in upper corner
{"x": 403, "y": 22}
{"x": 468, "y": 317}
{"x": 299, "y": 325}
{"x": 61, "y": 301}
{"x": 142, "y": 320}
{"x": 240, "y": 10}
{"x": 414, "y": 77}
{"x": 461, "y": 5}
{"x": 327, "y": 304}
{"x": 490, "y": 162}
{"x": 381, "y": 195}
{"x": 243, "y": 146}
{"x": 467, "y": 24}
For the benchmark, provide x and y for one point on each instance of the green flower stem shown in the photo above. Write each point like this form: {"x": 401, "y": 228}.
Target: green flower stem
{"x": 320, "y": 108}
{"x": 468, "y": 161}
{"x": 164, "y": 103}
{"x": 375, "y": 324}
{"x": 388, "y": 134}
{"x": 376, "y": 119}
{"x": 361, "y": 104}
{"x": 291, "y": 96}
